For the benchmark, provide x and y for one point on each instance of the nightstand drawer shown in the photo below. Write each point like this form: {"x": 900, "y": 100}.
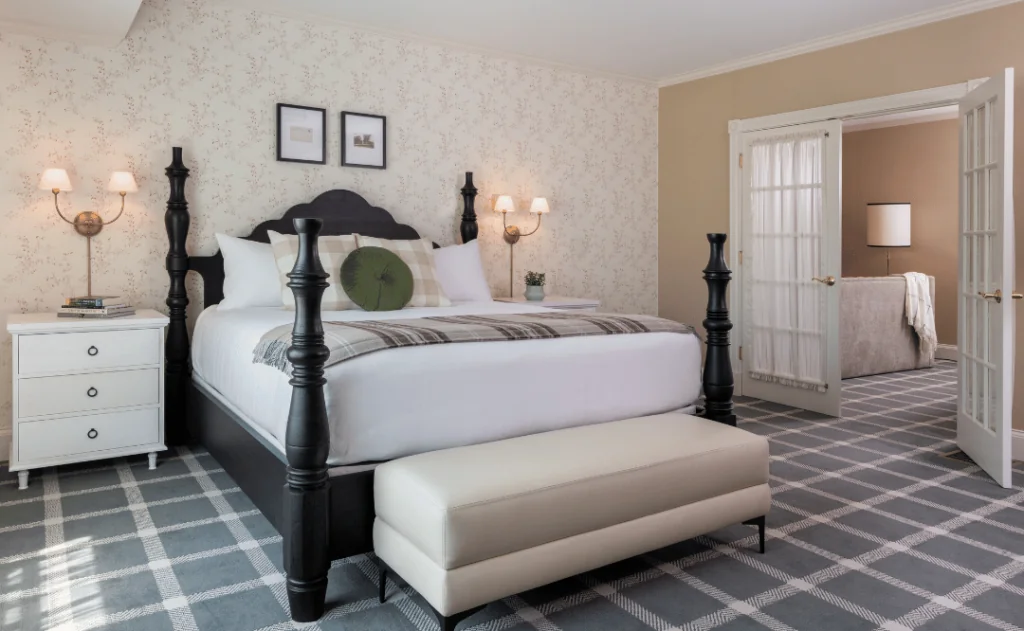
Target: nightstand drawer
{"x": 38, "y": 396}
{"x": 63, "y": 437}
{"x": 74, "y": 352}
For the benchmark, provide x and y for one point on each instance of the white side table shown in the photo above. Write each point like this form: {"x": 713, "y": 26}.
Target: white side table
{"x": 557, "y": 302}
{"x": 86, "y": 389}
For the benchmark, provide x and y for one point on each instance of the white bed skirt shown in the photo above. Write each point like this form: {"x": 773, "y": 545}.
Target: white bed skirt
{"x": 404, "y": 401}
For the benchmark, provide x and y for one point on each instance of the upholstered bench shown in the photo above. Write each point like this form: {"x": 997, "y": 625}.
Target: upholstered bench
{"x": 470, "y": 525}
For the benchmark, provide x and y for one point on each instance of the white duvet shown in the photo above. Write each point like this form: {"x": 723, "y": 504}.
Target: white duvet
{"x": 399, "y": 402}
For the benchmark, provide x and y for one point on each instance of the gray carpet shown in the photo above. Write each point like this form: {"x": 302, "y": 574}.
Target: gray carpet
{"x": 873, "y": 527}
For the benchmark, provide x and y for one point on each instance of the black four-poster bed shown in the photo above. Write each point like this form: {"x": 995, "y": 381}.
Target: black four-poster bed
{"x": 321, "y": 513}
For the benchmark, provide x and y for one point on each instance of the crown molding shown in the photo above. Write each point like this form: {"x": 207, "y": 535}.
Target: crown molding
{"x": 883, "y": 28}
{"x": 900, "y": 119}
{"x": 436, "y": 41}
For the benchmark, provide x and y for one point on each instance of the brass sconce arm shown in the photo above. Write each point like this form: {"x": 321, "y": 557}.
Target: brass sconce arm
{"x": 512, "y": 233}
{"x": 86, "y": 216}
{"x": 56, "y": 192}
{"x": 120, "y": 212}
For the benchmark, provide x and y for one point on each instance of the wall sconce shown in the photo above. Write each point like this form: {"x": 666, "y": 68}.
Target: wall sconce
{"x": 87, "y": 223}
{"x": 505, "y": 205}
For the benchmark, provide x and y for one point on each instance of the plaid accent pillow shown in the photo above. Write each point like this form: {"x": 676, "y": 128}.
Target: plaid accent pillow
{"x": 333, "y": 250}
{"x": 419, "y": 256}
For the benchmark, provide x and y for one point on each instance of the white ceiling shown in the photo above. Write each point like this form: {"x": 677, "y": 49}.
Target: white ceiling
{"x": 658, "y": 40}
{"x": 666, "y": 41}
{"x": 96, "y": 22}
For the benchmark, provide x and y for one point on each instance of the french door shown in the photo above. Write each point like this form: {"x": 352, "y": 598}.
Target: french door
{"x": 986, "y": 323}
{"x": 792, "y": 223}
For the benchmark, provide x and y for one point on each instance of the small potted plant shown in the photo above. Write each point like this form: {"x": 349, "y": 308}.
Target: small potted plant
{"x": 534, "y": 286}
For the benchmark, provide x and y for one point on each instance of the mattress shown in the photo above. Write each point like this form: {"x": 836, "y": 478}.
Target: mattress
{"x": 404, "y": 401}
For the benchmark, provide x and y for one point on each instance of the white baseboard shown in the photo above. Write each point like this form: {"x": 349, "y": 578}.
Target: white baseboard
{"x": 947, "y": 351}
{"x": 5, "y": 445}
{"x": 1018, "y": 444}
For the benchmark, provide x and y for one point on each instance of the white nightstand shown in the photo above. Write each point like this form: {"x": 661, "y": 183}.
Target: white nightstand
{"x": 86, "y": 389}
{"x": 557, "y": 302}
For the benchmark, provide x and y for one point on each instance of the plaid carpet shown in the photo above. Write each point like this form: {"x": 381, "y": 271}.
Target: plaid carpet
{"x": 873, "y": 527}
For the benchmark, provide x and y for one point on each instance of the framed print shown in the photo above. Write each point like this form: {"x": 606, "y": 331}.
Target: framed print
{"x": 301, "y": 134}
{"x": 364, "y": 140}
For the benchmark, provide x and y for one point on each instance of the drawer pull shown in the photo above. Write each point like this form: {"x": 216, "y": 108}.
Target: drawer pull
{"x": 92, "y": 392}
{"x": 93, "y": 351}
{"x": 92, "y": 433}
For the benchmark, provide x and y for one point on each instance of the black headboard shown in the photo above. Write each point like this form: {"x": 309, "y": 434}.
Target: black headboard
{"x": 342, "y": 212}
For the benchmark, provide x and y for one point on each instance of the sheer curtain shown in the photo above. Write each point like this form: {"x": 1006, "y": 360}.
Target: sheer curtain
{"x": 786, "y": 317}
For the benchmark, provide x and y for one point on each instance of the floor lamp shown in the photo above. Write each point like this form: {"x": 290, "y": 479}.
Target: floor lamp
{"x": 888, "y": 227}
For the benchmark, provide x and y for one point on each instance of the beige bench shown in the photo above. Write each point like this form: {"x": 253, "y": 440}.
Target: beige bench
{"x": 471, "y": 525}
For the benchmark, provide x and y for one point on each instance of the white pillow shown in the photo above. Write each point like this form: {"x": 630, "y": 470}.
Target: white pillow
{"x": 461, "y": 273}
{"x": 250, "y": 274}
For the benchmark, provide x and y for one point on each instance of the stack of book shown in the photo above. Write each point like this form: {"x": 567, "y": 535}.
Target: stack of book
{"x": 96, "y": 307}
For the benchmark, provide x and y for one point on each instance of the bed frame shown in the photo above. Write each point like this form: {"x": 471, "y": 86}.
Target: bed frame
{"x": 327, "y": 514}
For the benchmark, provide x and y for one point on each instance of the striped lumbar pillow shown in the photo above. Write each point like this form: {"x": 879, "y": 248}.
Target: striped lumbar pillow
{"x": 333, "y": 251}
{"x": 418, "y": 254}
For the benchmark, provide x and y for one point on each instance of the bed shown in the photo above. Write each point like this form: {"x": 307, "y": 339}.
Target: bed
{"x": 304, "y": 448}
{"x": 522, "y": 387}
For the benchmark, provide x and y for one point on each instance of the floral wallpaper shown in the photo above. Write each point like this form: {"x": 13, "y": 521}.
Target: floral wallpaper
{"x": 207, "y": 78}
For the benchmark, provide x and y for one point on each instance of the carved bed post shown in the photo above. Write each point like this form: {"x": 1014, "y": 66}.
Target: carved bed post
{"x": 306, "y": 554}
{"x": 176, "y": 371}
{"x": 469, "y": 228}
{"x": 718, "y": 379}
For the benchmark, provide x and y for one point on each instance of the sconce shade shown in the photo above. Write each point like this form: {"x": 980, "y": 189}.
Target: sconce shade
{"x": 889, "y": 225}
{"x": 55, "y": 178}
{"x": 122, "y": 182}
{"x": 504, "y": 204}
{"x": 540, "y": 206}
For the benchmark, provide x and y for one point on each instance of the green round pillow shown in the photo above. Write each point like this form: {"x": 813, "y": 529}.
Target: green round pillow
{"x": 376, "y": 279}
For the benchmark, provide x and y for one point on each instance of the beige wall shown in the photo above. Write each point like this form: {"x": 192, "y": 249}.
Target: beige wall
{"x": 916, "y": 164}
{"x": 693, "y": 138}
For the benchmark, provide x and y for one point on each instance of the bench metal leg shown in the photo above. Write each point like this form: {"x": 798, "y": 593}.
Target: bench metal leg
{"x": 760, "y": 523}
{"x": 382, "y": 581}
{"x": 448, "y": 623}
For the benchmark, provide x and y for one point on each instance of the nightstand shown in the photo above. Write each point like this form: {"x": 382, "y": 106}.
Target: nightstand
{"x": 557, "y": 302}
{"x": 86, "y": 389}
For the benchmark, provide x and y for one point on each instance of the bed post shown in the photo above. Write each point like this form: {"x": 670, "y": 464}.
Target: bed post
{"x": 718, "y": 379}
{"x": 469, "y": 228}
{"x": 176, "y": 349}
{"x": 306, "y": 491}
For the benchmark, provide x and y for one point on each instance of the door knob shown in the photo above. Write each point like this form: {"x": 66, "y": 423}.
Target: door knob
{"x": 828, "y": 280}
{"x": 1016, "y": 296}
{"x": 997, "y": 295}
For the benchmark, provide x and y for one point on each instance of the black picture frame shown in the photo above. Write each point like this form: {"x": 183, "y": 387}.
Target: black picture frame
{"x": 383, "y": 138}
{"x": 323, "y": 134}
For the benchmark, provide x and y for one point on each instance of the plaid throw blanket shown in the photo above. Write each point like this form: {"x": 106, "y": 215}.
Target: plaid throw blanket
{"x": 348, "y": 340}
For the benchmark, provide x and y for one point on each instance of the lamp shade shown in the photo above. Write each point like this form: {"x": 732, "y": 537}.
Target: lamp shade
{"x": 55, "y": 179}
{"x": 122, "y": 182}
{"x": 539, "y": 206}
{"x": 504, "y": 204}
{"x": 889, "y": 225}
